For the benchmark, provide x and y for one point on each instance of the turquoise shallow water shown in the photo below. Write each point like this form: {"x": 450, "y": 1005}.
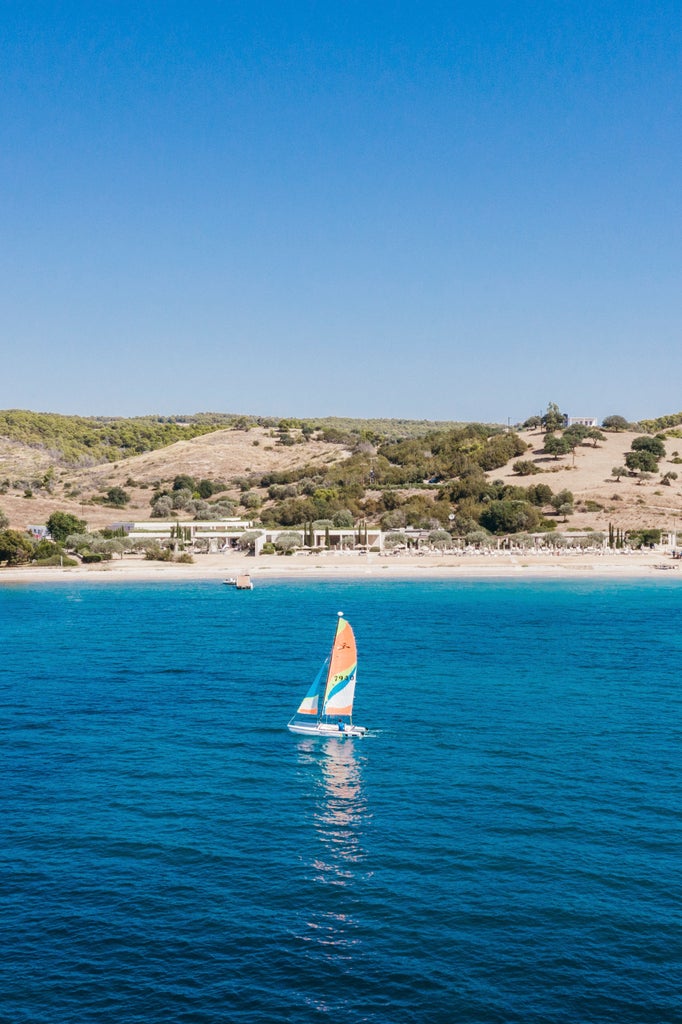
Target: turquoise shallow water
{"x": 505, "y": 847}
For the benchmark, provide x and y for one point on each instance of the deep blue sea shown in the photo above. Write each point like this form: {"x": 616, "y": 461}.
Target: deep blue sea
{"x": 505, "y": 847}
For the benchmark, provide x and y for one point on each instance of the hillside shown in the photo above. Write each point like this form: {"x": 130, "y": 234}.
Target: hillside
{"x": 222, "y": 454}
{"x": 291, "y": 473}
{"x": 79, "y": 441}
{"x": 628, "y": 503}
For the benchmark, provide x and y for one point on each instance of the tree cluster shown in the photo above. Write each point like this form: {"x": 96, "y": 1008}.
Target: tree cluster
{"x": 188, "y": 496}
{"x": 17, "y": 548}
{"x": 88, "y": 440}
{"x": 645, "y": 454}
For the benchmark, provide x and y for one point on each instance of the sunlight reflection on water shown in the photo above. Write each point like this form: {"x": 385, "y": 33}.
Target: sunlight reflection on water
{"x": 338, "y": 817}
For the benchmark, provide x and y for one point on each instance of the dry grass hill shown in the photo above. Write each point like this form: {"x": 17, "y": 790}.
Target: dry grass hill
{"x": 629, "y": 503}
{"x": 223, "y": 454}
{"x": 227, "y": 454}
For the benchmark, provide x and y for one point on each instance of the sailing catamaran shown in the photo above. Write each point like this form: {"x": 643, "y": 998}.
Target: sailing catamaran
{"x": 327, "y": 708}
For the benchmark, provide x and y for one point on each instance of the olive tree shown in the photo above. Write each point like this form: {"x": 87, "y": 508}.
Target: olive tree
{"x": 440, "y": 539}
{"x": 343, "y": 519}
{"x": 393, "y": 520}
{"x": 509, "y": 516}
{"x": 118, "y": 497}
{"x": 554, "y": 418}
{"x": 15, "y": 547}
{"x": 595, "y": 435}
{"x": 81, "y": 541}
{"x": 655, "y": 445}
{"x": 615, "y": 423}
{"x": 560, "y": 500}
{"x": 556, "y": 446}
{"x": 61, "y": 524}
{"x": 524, "y": 467}
{"x": 642, "y": 460}
{"x": 251, "y": 500}
{"x": 288, "y": 541}
{"x": 182, "y": 498}
{"x": 162, "y": 507}
{"x": 247, "y": 540}
{"x": 476, "y": 537}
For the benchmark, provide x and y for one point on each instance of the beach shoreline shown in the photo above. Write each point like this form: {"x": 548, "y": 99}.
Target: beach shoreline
{"x": 503, "y": 565}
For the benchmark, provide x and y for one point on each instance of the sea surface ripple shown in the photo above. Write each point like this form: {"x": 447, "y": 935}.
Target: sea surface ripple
{"x": 504, "y": 847}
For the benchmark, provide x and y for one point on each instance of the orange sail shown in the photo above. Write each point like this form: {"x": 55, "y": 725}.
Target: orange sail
{"x": 340, "y": 689}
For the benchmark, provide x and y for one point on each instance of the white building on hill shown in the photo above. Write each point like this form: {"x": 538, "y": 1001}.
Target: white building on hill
{"x": 581, "y": 421}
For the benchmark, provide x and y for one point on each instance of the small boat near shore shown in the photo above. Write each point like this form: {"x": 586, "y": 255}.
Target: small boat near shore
{"x": 241, "y": 582}
{"x": 327, "y": 708}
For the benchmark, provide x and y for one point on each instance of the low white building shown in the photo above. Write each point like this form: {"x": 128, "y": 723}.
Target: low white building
{"x": 581, "y": 421}
{"x": 220, "y": 533}
{"x": 335, "y": 538}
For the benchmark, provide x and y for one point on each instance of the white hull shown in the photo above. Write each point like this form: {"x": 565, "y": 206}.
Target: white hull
{"x": 327, "y": 729}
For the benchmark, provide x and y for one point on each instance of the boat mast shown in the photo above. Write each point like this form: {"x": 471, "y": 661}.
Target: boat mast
{"x": 329, "y": 666}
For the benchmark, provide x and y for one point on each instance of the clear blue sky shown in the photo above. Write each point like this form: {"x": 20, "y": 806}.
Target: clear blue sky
{"x": 428, "y": 210}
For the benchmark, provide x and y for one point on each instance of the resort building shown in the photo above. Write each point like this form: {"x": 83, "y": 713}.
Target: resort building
{"x": 221, "y": 534}
{"x": 333, "y": 538}
{"x": 224, "y": 534}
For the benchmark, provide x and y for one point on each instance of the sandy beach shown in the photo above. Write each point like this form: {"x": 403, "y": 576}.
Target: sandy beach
{"x": 610, "y": 565}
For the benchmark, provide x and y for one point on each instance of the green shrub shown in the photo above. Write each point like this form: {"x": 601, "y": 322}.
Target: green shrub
{"x": 525, "y": 468}
{"x": 55, "y": 560}
{"x": 15, "y": 547}
{"x": 288, "y": 541}
{"x": 117, "y": 497}
{"x": 62, "y": 524}
{"x": 643, "y": 538}
{"x": 157, "y": 554}
{"x": 510, "y": 516}
{"x": 45, "y": 549}
{"x": 440, "y": 538}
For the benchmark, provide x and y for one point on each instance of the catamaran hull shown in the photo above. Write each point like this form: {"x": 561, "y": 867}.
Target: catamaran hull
{"x": 322, "y": 729}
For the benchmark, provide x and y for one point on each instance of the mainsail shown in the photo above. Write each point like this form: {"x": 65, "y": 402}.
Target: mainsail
{"x": 343, "y": 664}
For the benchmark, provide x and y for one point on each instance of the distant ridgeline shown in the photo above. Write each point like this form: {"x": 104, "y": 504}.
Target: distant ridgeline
{"x": 80, "y": 440}
{"x": 87, "y": 440}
